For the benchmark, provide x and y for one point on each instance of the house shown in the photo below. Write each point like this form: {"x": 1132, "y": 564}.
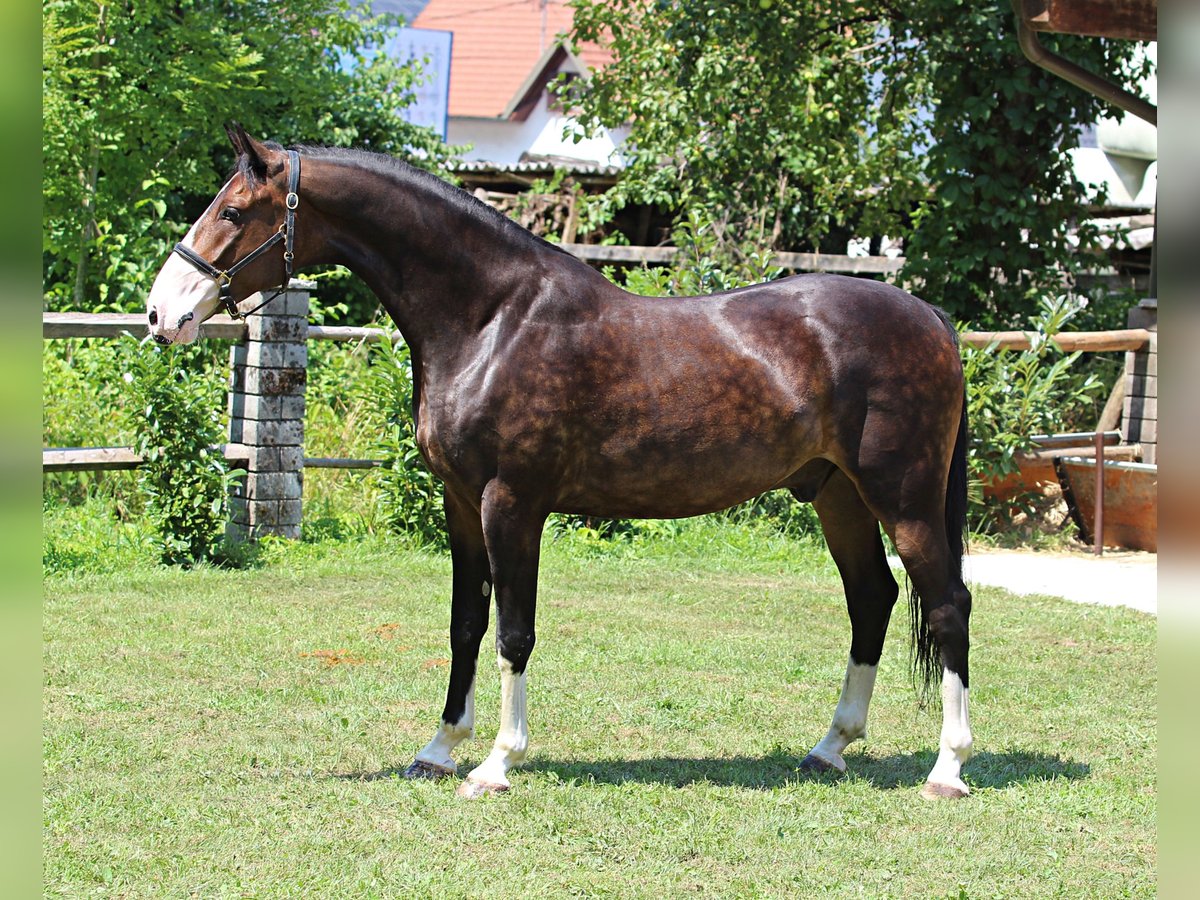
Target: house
{"x": 504, "y": 55}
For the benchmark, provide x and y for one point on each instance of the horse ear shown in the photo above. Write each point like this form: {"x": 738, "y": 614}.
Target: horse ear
{"x": 252, "y": 154}
{"x": 234, "y": 132}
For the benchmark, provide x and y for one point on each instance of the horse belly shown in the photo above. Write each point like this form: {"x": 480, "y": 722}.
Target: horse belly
{"x": 636, "y": 473}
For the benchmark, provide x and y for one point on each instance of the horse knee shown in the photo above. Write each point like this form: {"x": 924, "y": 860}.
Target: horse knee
{"x": 962, "y": 602}
{"x": 515, "y": 646}
{"x": 466, "y": 634}
{"x": 948, "y": 625}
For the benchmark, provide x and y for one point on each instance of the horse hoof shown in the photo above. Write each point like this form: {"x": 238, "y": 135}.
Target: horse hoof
{"x": 935, "y": 791}
{"x": 420, "y": 769}
{"x": 816, "y": 766}
{"x": 473, "y": 790}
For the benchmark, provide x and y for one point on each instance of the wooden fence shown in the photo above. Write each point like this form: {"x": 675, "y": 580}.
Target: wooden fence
{"x": 268, "y": 374}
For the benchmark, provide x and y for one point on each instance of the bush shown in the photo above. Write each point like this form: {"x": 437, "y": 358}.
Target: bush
{"x": 174, "y": 413}
{"x": 81, "y": 390}
{"x": 1013, "y": 395}
{"x": 409, "y": 496}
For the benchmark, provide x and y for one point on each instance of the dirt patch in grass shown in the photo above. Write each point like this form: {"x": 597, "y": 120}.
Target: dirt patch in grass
{"x": 330, "y": 658}
{"x": 387, "y": 631}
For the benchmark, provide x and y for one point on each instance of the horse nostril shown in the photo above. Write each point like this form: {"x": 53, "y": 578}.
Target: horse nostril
{"x": 186, "y": 317}
{"x": 154, "y": 317}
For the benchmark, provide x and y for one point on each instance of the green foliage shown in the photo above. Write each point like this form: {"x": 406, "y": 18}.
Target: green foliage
{"x": 93, "y": 537}
{"x": 409, "y": 496}
{"x": 992, "y": 236}
{"x": 134, "y": 96}
{"x": 781, "y": 512}
{"x": 808, "y": 121}
{"x": 711, "y": 258}
{"x": 82, "y": 399}
{"x": 1015, "y": 394}
{"x": 173, "y": 413}
{"x": 766, "y": 112}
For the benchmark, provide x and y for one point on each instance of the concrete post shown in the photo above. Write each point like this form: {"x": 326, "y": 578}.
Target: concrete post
{"x": 266, "y": 414}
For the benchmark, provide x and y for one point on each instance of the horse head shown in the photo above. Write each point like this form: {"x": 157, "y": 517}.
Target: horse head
{"x": 235, "y": 235}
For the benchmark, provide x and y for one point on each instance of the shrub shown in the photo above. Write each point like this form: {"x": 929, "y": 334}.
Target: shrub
{"x": 409, "y": 496}
{"x": 1013, "y": 395}
{"x": 81, "y": 389}
{"x": 174, "y": 413}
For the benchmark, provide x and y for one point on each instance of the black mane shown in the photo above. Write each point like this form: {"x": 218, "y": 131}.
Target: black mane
{"x": 407, "y": 174}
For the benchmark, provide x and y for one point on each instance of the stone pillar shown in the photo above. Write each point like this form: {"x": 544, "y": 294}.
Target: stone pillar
{"x": 266, "y": 414}
{"x": 1139, "y": 422}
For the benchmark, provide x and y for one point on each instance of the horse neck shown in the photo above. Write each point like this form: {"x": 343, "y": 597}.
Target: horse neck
{"x": 440, "y": 269}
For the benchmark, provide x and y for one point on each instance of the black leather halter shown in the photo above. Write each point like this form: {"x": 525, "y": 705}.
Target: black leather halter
{"x": 286, "y": 233}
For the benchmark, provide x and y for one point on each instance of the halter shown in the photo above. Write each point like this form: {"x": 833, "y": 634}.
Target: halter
{"x": 286, "y": 233}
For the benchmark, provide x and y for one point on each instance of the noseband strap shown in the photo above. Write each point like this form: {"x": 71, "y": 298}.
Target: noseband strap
{"x": 286, "y": 233}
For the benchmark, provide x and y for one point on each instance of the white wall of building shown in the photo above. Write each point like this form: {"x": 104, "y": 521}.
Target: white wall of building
{"x": 541, "y": 134}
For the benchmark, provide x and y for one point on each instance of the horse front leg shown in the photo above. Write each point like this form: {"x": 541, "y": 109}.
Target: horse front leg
{"x": 471, "y": 596}
{"x": 512, "y": 532}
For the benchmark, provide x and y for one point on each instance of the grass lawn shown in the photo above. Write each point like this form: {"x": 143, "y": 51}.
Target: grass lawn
{"x": 238, "y": 734}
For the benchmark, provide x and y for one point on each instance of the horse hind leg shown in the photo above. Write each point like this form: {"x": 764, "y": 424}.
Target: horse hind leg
{"x": 852, "y": 535}
{"x": 941, "y": 612}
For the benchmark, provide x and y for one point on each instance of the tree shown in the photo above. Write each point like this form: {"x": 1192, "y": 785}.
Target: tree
{"x": 769, "y": 113}
{"x": 992, "y": 236}
{"x": 134, "y": 97}
{"x": 799, "y": 121}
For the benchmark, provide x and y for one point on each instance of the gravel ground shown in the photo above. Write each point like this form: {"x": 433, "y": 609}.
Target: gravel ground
{"x": 1118, "y": 578}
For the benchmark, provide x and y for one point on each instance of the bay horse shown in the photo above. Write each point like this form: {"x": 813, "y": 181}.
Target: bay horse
{"x": 541, "y": 387}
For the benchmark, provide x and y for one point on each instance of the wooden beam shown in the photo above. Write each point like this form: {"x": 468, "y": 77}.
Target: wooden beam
{"x": 801, "y": 262}
{"x": 1075, "y": 439}
{"x": 1122, "y": 452}
{"x": 98, "y": 459}
{"x": 347, "y": 333}
{"x": 334, "y": 462}
{"x": 1068, "y": 341}
{"x": 111, "y": 325}
{"x": 1133, "y": 20}
{"x": 111, "y": 459}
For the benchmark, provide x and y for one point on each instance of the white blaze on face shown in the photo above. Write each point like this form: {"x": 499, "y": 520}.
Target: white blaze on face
{"x": 179, "y": 289}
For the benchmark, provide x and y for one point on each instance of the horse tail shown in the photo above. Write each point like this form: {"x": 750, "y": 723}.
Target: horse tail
{"x": 926, "y": 662}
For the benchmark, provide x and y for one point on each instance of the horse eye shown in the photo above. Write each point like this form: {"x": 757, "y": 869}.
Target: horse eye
{"x": 230, "y": 214}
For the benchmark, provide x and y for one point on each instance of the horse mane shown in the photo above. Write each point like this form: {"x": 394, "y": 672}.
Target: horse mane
{"x": 406, "y": 174}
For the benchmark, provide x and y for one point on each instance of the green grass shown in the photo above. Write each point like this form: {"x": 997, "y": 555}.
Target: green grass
{"x": 195, "y": 745}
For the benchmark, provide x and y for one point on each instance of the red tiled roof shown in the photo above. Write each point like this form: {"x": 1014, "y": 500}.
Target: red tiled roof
{"x": 497, "y": 44}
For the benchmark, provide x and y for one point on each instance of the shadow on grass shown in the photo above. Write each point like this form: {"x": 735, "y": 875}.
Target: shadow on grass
{"x": 985, "y": 770}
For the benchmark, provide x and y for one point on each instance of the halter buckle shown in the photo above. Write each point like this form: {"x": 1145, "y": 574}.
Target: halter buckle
{"x": 292, "y": 200}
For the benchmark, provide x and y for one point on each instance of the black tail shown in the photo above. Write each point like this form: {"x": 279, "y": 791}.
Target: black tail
{"x": 926, "y": 655}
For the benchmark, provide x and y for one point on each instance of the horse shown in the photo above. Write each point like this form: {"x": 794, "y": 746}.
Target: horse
{"x": 539, "y": 386}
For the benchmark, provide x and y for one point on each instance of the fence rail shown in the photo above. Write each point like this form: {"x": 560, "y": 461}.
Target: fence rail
{"x": 801, "y": 262}
{"x": 111, "y": 325}
{"x": 269, "y": 372}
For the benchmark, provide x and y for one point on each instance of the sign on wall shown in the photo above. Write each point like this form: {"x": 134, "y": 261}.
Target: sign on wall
{"x": 431, "y": 49}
